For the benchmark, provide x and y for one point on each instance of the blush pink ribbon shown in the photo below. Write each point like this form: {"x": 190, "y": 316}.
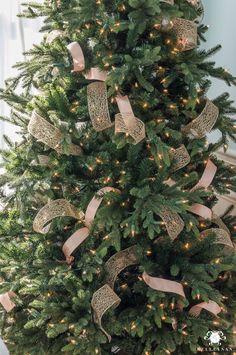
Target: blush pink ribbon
{"x": 124, "y": 104}
{"x": 77, "y": 55}
{"x": 96, "y": 74}
{"x": 79, "y": 63}
{"x": 204, "y": 182}
{"x": 5, "y": 300}
{"x": 81, "y": 234}
{"x": 207, "y": 177}
{"x": 195, "y": 311}
{"x": 126, "y": 121}
{"x": 210, "y": 306}
{"x": 201, "y": 211}
{"x": 164, "y": 285}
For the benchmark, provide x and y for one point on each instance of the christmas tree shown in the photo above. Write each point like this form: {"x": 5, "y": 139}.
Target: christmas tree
{"x": 109, "y": 242}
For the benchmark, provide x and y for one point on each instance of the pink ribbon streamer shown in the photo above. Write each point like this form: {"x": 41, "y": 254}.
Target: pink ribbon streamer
{"x": 202, "y": 211}
{"x": 79, "y": 63}
{"x": 210, "y": 306}
{"x": 164, "y": 285}
{"x": 126, "y": 121}
{"x": 195, "y": 311}
{"x": 94, "y": 205}
{"x": 82, "y": 234}
{"x": 124, "y": 104}
{"x": 204, "y": 182}
{"x": 207, "y": 177}
{"x": 96, "y": 74}
{"x": 5, "y": 300}
{"x": 74, "y": 242}
{"x": 77, "y": 55}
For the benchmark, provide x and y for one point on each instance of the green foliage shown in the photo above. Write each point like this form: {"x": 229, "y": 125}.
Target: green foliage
{"x": 167, "y": 89}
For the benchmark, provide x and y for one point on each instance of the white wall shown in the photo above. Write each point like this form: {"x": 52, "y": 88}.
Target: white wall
{"x": 220, "y": 16}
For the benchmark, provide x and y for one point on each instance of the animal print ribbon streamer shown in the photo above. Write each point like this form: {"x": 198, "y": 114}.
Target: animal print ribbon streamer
{"x": 217, "y": 220}
{"x": 98, "y": 106}
{"x": 222, "y": 237}
{"x": 50, "y": 135}
{"x": 56, "y": 208}
{"x": 77, "y": 56}
{"x": 163, "y": 285}
{"x": 119, "y": 262}
{"x": 210, "y": 306}
{"x": 126, "y": 122}
{"x": 173, "y": 222}
{"x": 207, "y": 177}
{"x": 204, "y": 123}
{"x": 6, "y": 302}
{"x": 181, "y": 158}
{"x": 81, "y": 235}
{"x": 186, "y": 32}
{"x": 103, "y": 299}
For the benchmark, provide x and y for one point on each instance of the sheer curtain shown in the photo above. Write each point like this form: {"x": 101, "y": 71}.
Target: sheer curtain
{"x": 16, "y": 36}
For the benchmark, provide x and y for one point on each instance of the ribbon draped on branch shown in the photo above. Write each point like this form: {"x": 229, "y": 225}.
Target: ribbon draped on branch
{"x": 103, "y": 299}
{"x": 50, "y": 135}
{"x": 98, "y": 108}
{"x": 210, "y": 306}
{"x": 77, "y": 56}
{"x": 222, "y": 237}
{"x": 6, "y": 302}
{"x": 201, "y": 211}
{"x": 217, "y": 220}
{"x": 126, "y": 122}
{"x": 204, "y": 123}
{"x": 173, "y": 222}
{"x": 163, "y": 285}
{"x": 96, "y": 74}
{"x": 205, "y": 181}
{"x": 207, "y": 177}
{"x": 181, "y": 158}
{"x": 56, "y": 208}
{"x": 74, "y": 241}
{"x": 186, "y": 32}
{"x": 222, "y": 233}
{"x": 62, "y": 208}
{"x": 119, "y": 262}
